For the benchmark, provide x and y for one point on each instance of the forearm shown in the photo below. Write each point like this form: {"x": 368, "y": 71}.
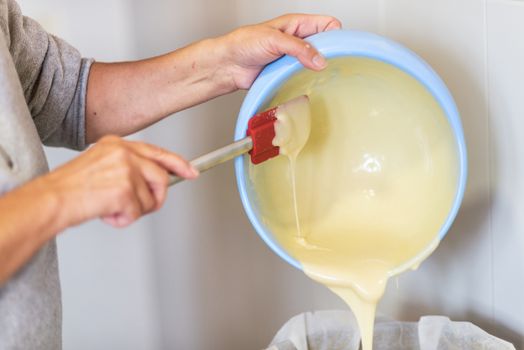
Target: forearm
{"x": 29, "y": 217}
{"x": 115, "y": 180}
{"x": 125, "y": 97}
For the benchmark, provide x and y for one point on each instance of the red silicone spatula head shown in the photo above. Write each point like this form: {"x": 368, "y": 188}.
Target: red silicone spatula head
{"x": 261, "y": 128}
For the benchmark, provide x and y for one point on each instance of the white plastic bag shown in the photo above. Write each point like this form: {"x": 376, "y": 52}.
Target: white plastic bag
{"x": 338, "y": 330}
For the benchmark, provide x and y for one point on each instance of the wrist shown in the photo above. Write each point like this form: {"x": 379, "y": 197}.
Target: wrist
{"x": 217, "y": 60}
{"x": 54, "y": 202}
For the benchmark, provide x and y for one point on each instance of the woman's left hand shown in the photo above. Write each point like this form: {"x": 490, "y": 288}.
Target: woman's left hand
{"x": 248, "y": 49}
{"x": 125, "y": 97}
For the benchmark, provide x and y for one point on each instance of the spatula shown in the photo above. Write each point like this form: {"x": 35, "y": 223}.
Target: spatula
{"x": 258, "y": 142}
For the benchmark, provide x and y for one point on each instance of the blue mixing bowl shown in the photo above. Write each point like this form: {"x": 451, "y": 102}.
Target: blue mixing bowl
{"x": 336, "y": 44}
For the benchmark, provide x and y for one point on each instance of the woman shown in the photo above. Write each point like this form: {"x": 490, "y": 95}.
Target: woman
{"x": 50, "y": 95}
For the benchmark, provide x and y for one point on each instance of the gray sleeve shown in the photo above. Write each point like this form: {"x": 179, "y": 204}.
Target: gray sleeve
{"x": 53, "y": 76}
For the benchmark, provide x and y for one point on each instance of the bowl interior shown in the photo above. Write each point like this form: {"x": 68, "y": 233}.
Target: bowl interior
{"x": 376, "y": 129}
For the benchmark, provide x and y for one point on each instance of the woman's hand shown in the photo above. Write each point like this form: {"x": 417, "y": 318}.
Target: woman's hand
{"x": 116, "y": 180}
{"x": 125, "y": 97}
{"x": 248, "y": 49}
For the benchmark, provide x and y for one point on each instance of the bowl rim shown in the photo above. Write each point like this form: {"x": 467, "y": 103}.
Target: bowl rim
{"x": 337, "y": 43}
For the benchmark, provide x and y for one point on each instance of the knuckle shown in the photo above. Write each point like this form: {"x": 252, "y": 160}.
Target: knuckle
{"x": 302, "y": 50}
{"x": 287, "y": 17}
{"x": 128, "y": 188}
{"x": 150, "y": 206}
{"x": 121, "y": 154}
{"x": 135, "y": 213}
{"x": 127, "y": 173}
{"x": 308, "y": 49}
{"x": 125, "y": 192}
{"x": 164, "y": 180}
{"x": 159, "y": 153}
{"x": 158, "y": 178}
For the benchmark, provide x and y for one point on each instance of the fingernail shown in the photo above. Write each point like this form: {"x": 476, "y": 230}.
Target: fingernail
{"x": 319, "y": 61}
{"x": 334, "y": 25}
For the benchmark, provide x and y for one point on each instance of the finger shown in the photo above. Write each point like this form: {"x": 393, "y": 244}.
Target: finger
{"x": 127, "y": 214}
{"x": 156, "y": 178}
{"x": 285, "y": 44}
{"x": 131, "y": 211}
{"x": 168, "y": 160}
{"x": 128, "y": 201}
{"x": 117, "y": 220}
{"x": 303, "y": 25}
{"x": 144, "y": 195}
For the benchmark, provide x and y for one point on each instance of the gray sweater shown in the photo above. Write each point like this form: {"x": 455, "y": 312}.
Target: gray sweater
{"x": 42, "y": 100}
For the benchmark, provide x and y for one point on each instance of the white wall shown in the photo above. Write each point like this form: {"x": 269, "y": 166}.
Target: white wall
{"x": 196, "y": 276}
{"x": 475, "y": 275}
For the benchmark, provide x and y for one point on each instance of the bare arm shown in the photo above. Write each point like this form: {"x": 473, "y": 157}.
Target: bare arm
{"x": 30, "y": 217}
{"x": 115, "y": 180}
{"x": 125, "y": 97}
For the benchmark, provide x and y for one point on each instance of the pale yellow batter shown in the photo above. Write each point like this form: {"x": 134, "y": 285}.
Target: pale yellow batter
{"x": 374, "y": 182}
{"x": 292, "y": 130}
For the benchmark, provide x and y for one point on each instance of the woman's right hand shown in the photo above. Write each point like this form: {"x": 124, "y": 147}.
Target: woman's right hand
{"x": 116, "y": 180}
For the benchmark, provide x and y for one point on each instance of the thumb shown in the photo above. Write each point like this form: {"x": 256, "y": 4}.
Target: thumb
{"x": 286, "y": 44}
